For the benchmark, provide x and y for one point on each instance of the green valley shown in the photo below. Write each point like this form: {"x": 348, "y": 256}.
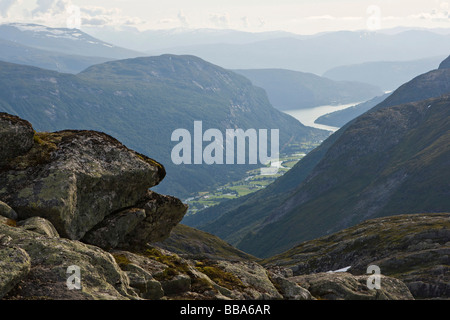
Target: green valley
{"x": 251, "y": 182}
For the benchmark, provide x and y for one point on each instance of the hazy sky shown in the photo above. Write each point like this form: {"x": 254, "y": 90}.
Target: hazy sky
{"x": 299, "y": 16}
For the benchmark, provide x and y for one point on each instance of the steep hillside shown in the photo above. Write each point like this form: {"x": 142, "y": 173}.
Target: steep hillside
{"x": 289, "y": 90}
{"x": 142, "y": 101}
{"x": 413, "y": 248}
{"x": 341, "y": 182}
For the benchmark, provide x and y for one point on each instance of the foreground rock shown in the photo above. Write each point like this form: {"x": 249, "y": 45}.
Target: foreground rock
{"x": 75, "y": 179}
{"x": 16, "y": 137}
{"x": 345, "y": 286}
{"x": 7, "y": 212}
{"x": 44, "y": 275}
{"x": 152, "y": 220}
{"x": 14, "y": 266}
{"x": 413, "y": 248}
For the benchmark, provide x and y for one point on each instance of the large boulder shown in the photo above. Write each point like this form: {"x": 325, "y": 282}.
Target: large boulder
{"x": 14, "y": 266}
{"x": 39, "y": 225}
{"x": 75, "y": 179}
{"x": 16, "y": 137}
{"x": 7, "y": 212}
{"x": 50, "y": 258}
{"x": 153, "y": 219}
{"x": 163, "y": 213}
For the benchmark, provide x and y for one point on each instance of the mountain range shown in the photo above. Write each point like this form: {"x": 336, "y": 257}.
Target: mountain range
{"x": 321, "y": 52}
{"x": 390, "y": 160}
{"x": 58, "y": 49}
{"x": 290, "y": 90}
{"x": 141, "y": 101}
{"x": 388, "y": 75}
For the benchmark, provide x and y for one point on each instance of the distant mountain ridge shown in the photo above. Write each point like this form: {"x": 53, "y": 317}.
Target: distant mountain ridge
{"x": 388, "y": 75}
{"x": 289, "y": 90}
{"x": 320, "y": 53}
{"x": 14, "y": 52}
{"x": 62, "y": 40}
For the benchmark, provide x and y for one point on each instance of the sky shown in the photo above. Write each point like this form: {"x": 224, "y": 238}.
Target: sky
{"x": 297, "y": 16}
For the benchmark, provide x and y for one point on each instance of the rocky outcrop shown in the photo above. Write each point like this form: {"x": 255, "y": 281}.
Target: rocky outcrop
{"x": 75, "y": 179}
{"x": 39, "y": 225}
{"x": 412, "y": 248}
{"x": 14, "y": 266}
{"x": 44, "y": 275}
{"x": 7, "y": 212}
{"x": 69, "y": 185}
{"x": 196, "y": 279}
{"x": 16, "y": 137}
{"x": 345, "y": 286}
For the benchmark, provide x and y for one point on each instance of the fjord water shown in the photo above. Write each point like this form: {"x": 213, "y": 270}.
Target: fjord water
{"x": 308, "y": 116}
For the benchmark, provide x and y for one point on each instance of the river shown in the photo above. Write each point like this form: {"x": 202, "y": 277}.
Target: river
{"x": 308, "y": 116}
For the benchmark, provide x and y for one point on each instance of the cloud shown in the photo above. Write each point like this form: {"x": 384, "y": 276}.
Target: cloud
{"x": 219, "y": 20}
{"x": 5, "y": 5}
{"x": 43, "y": 7}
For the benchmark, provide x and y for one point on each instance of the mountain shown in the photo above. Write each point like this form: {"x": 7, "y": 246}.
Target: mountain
{"x": 20, "y": 54}
{"x": 148, "y": 40}
{"x": 289, "y": 90}
{"x": 388, "y": 75}
{"x": 413, "y": 248}
{"x": 322, "y": 52}
{"x": 341, "y": 117}
{"x": 62, "y": 40}
{"x": 142, "y": 101}
{"x": 397, "y": 166}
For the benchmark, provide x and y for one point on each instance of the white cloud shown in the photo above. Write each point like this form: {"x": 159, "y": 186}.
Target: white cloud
{"x": 5, "y": 6}
{"x": 52, "y": 7}
{"x": 219, "y": 20}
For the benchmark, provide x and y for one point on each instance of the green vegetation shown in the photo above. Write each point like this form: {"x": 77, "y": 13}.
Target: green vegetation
{"x": 219, "y": 276}
{"x": 251, "y": 182}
